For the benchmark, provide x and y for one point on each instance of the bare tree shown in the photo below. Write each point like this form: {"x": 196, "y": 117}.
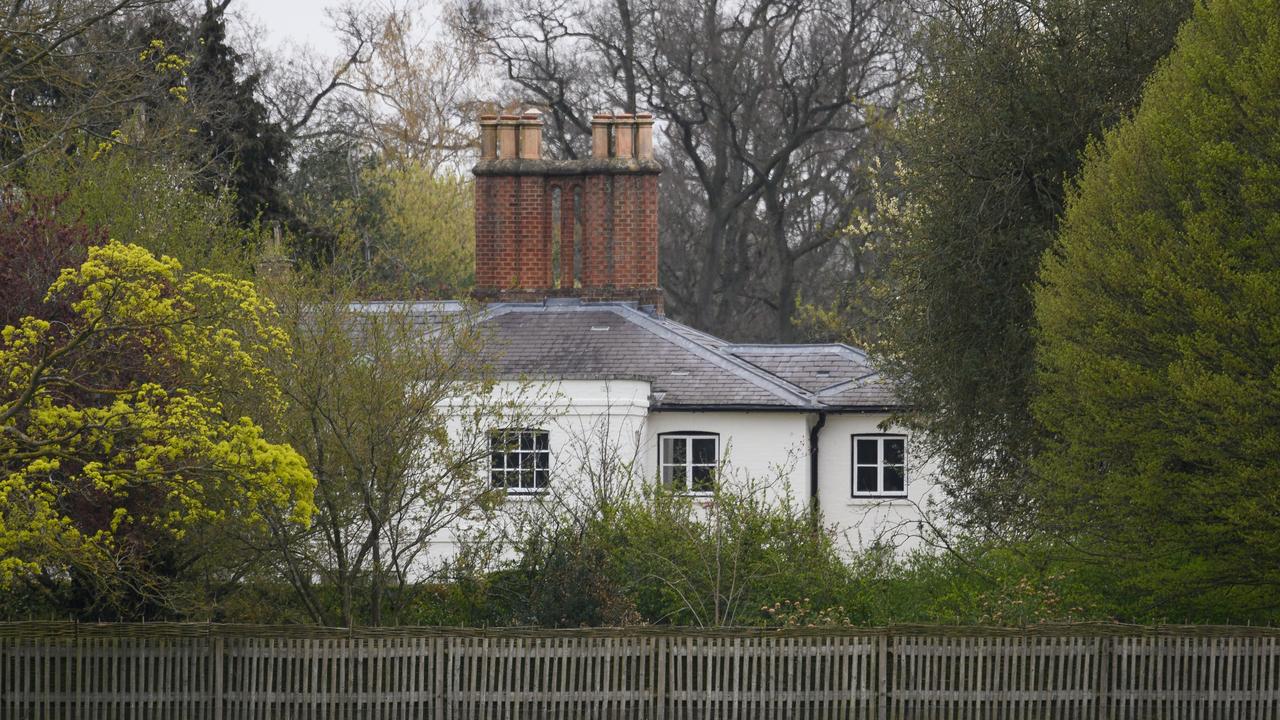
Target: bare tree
{"x": 304, "y": 89}
{"x": 394, "y": 417}
{"x": 768, "y": 108}
{"x": 396, "y": 106}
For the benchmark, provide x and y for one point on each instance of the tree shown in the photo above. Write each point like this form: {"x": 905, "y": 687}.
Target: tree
{"x": 425, "y": 241}
{"x": 375, "y": 187}
{"x": 416, "y": 100}
{"x": 154, "y": 203}
{"x": 246, "y": 148}
{"x": 34, "y": 248}
{"x": 1159, "y": 344}
{"x": 393, "y": 417}
{"x": 119, "y": 436}
{"x": 767, "y": 110}
{"x": 71, "y": 71}
{"x": 1011, "y": 90}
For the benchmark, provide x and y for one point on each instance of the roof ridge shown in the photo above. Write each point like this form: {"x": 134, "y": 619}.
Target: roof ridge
{"x": 842, "y": 348}
{"x": 694, "y": 331}
{"x": 859, "y": 381}
{"x": 761, "y": 378}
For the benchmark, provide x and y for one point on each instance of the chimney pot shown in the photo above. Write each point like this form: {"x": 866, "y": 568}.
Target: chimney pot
{"x": 531, "y": 136}
{"x": 624, "y": 133}
{"x": 488, "y": 137}
{"x": 507, "y": 125}
{"x": 600, "y": 135}
{"x": 644, "y": 136}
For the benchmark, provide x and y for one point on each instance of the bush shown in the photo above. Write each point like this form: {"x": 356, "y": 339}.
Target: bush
{"x": 667, "y": 558}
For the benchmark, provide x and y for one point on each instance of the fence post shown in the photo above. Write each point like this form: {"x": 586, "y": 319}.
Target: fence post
{"x": 1104, "y": 676}
{"x": 452, "y": 677}
{"x": 439, "y": 656}
{"x": 882, "y": 695}
{"x": 215, "y": 688}
{"x": 660, "y": 648}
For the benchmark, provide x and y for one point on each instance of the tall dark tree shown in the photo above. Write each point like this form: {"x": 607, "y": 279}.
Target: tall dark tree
{"x": 247, "y": 149}
{"x": 767, "y": 110}
{"x": 1011, "y": 92}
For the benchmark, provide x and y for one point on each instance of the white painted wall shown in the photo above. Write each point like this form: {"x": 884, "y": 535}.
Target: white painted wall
{"x": 604, "y": 438}
{"x": 862, "y": 521}
{"x": 763, "y": 447}
{"x": 594, "y": 430}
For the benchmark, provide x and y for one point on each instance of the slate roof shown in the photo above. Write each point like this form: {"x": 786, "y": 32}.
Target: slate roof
{"x": 687, "y": 369}
{"x": 813, "y": 367}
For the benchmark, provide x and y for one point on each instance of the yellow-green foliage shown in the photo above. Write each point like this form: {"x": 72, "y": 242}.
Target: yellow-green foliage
{"x": 426, "y": 241}
{"x": 116, "y": 421}
{"x": 148, "y": 201}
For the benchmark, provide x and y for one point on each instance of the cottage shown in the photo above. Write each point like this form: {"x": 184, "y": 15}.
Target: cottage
{"x": 567, "y": 269}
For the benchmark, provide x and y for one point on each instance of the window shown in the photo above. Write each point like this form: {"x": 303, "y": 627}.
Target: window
{"x": 879, "y": 465}
{"x": 689, "y": 460}
{"x": 519, "y": 460}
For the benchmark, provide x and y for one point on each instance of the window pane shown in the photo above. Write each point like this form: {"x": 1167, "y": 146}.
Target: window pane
{"x": 704, "y": 451}
{"x": 543, "y": 440}
{"x": 893, "y": 479}
{"x": 543, "y": 460}
{"x": 512, "y": 461}
{"x": 702, "y": 479}
{"x": 526, "y": 478}
{"x": 867, "y": 451}
{"x": 676, "y": 451}
{"x": 526, "y": 441}
{"x": 676, "y": 477}
{"x": 498, "y": 478}
{"x": 867, "y": 479}
{"x": 666, "y": 474}
{"x": 893, "y": 451}
{"x": 540, "y": 478}
{"x": 496, "y": 461}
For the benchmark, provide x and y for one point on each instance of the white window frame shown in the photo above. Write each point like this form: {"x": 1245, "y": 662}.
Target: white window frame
{"x": 688, "y": 465}
{"x": 879, "y": 464}
{"x": 512, "y": 479}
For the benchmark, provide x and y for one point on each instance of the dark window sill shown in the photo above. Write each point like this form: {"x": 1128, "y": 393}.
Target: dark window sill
{"x": 892, "y": 496}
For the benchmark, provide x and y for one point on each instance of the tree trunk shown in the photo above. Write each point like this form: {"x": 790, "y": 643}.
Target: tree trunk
{"x": 785, "y": 303}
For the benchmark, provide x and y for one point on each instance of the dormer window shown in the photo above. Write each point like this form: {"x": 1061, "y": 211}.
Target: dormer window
{"x": 688, "y": 461}
{"x": 879, "y": 466}
{"x": 520, "y": 460}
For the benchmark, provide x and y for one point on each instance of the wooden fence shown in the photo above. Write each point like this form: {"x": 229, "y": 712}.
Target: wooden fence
{"x": 64, "y": 670}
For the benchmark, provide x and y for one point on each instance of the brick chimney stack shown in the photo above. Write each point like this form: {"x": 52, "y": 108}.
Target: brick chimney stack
{"x": 567, "y": 228}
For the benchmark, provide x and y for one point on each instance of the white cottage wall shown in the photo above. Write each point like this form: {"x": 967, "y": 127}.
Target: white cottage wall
{"x": 594, "y": 430}
{"x": 759, "y": 447}
{"x": 604, "y": 439}
{"x": 862, "y": 521}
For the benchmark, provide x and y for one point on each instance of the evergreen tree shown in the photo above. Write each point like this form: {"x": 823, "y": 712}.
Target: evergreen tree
{"x": 246, "y": 149}
{"x": 1012, "y": 90}
{"x": 1159, "y": 347}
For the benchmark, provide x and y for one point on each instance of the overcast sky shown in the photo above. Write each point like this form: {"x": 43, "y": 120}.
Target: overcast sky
{"x": 301, "y": 22}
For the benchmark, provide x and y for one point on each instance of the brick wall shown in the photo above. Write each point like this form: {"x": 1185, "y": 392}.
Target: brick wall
{"x": 603, "y": 234}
